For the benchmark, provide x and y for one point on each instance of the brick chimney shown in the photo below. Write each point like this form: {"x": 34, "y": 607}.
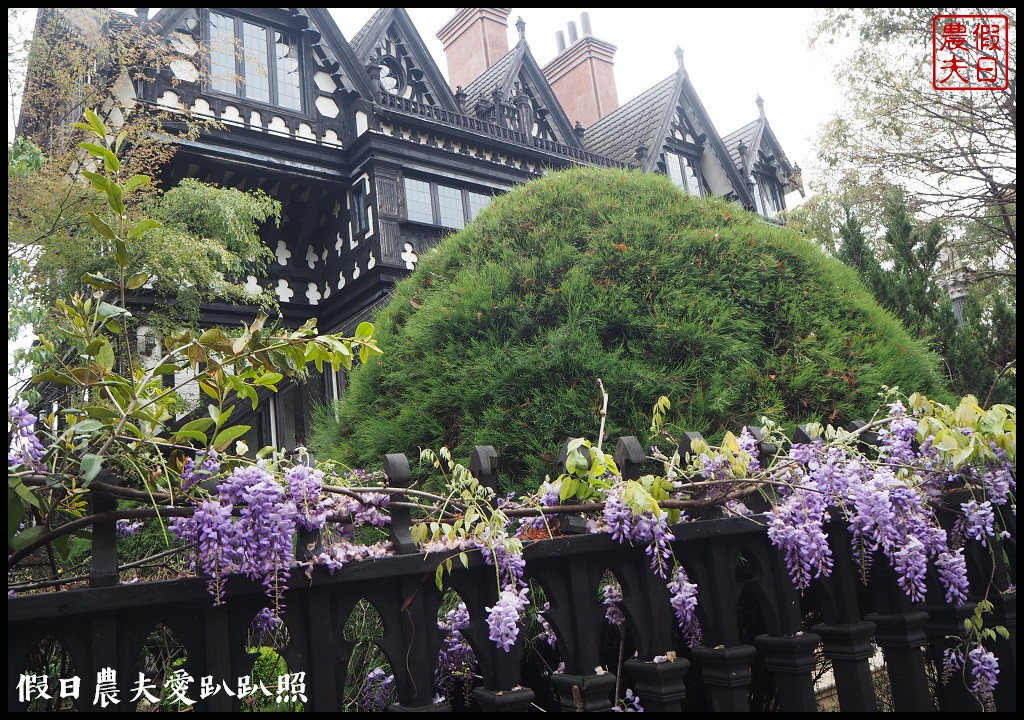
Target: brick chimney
{"x": 473, "y": 40}
{"x": 582, "y": 75}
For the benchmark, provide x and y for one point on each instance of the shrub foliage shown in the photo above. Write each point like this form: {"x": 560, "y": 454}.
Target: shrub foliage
{"x": 500, "y": 335}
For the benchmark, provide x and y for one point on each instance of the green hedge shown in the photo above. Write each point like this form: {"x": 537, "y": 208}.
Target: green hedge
{"x": 499, "y": 336}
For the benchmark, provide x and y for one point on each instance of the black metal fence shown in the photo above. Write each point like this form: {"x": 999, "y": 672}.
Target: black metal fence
{"x": 763, "y": 643}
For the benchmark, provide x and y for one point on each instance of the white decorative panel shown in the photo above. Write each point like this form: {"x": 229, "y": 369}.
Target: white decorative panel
{"x": 313, "y": 294}
{"x": 283, "y": 292}
{"x": 409, "y": 256}
{"x": 252, "y": 285}
{"x": 311, "y": 257}
{"x": 202, "y": 107}
{"x": 231, "y": 115}
{"x": 170, "y": 99}
{"x": 282, "y": 252}
{"x": 362, "y": 123}
{"x": 184, "y": 43}
{"x": 325, "y": 82}
{"x": 371, "y": 262}
{"x": 184, "y": 70}
{"x": 277, "y": 124}
{"x": 327, "y": 107}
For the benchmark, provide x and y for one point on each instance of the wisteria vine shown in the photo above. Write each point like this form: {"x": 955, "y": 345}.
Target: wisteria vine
{"x": 883, "y": 481}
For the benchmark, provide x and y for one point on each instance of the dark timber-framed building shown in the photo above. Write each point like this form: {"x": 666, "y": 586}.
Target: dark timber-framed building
{"x": 375, "y": 154}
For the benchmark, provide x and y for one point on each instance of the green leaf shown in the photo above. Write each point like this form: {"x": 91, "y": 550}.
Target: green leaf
{"x": 25, "y": 493}
{"x": 85, "y": 426}
{"x": 135, "y": 182}
{"x": 99, "y": 281}
{"x": 53, "y": 376}
{"x": 364, "y": 331}
{"x": 97, "y": 125}
{"x": 1002, "y": 632}
{"x": 15, "y": 513}
{"x": 115, "y": 199}
{"x": 91, "y": 466}
{"x": 105, "y": 358}
{"x": 269, "y": 379}
{"x": 110, "y": 161}
{"x": 165, "y": 369}
{"x": 139, "y": 228}
{"x": 190, "y": 435}
{"x": 105, "y": 311}
{"x": 101, "y": 226}
{"x": 120, "y": 254}
{"x": 100, "y": 182}
{"x": 27, "y": 536}
{"x": 437, "y": 576}
{"x": 227, "y": 435}
{"x": 137, "y": 280}
{"x": 200, "y": 424}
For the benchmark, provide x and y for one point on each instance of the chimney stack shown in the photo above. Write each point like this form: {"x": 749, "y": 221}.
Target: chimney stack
{"x": 473, "y": 40}
{"x": 582, "y": 75}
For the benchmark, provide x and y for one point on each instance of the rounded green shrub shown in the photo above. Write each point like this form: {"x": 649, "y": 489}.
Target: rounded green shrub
{"x": 500, "y": 335}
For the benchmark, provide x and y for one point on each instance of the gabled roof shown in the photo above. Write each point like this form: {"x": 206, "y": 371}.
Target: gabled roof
{"x": 747, "y": 136}
{"x": 618, "y": 134}
{"x": 647, "y": 120}
{"x": 759, "y": 138}
{"x": 517, "y": 65}
{"x": 375, "y": 30}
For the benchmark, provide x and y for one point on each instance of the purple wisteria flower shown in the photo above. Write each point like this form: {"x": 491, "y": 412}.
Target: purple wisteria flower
{"x": 952, "y": 570}
{"x": 258, "y": 542}
{"x": 503, "y": 617}
{"x": 378, "y": 690}
{"x": 456, "y": 658}
{"x": 612, "y": 596}
{"x": 618, "y": 515}
{"x": 629, "y": 703}
{"x": 797, "y": 526}
{"x": 305, "y": 489}
{"x": 127, "y": 528}
{"x": 684, "y": 603}
{"x": 209, "y": 465}
{"x": 547, "y": 632}
{"x": 911, "y": 564}
{"x": 984, "y": 670}
{"x": 979, "y": 520}
{"x": 748, "y": 444}
{"x": 25, "y": 448}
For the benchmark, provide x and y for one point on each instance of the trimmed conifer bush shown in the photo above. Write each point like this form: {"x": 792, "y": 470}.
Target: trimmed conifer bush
{"x": 500, "y": 335}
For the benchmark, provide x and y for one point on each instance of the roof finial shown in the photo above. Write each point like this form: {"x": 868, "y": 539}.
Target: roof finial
{"x": 679, "y": 55}
{"x": 521, "y": 27}
{"x": 760, "y": 105}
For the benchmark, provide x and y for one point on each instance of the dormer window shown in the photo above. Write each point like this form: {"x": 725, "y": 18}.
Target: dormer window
{"x": 684, "y": 172}
{"x": 255, "y": 62}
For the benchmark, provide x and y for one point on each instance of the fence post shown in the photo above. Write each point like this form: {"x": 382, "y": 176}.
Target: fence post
{"x": 396, "y": 467}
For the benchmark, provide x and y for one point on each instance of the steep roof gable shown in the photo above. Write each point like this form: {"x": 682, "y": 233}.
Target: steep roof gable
{"x": 390, "y": 39}
{"x": 758, "y": 142}
{"x": 517, "y": 84}
{"x": 670, "y": 107}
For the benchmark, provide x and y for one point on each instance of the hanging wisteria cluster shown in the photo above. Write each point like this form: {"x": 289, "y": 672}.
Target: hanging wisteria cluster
{"x": 885, "y": 489}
